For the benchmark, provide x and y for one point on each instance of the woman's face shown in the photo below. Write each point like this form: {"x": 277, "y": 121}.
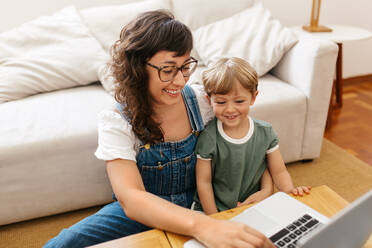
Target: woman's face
{"x": 166, "y": 93}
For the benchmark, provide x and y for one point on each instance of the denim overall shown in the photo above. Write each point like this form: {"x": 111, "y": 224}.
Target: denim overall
{"x": 167, "y": 170}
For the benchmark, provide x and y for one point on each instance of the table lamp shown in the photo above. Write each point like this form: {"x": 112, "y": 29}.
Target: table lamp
{"x": 314, "y": 19}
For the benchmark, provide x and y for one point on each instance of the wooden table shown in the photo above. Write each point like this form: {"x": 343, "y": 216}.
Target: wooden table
{"x": 322, "y": 198}
{"x": 153, "y": 238}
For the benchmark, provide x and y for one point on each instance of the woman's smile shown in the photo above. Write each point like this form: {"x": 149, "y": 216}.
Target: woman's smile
{"x": 172, "y": 93}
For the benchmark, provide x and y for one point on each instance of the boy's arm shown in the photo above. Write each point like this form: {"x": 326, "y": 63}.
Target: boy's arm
{"x": 267, "y": 188}
{"x": 204, "y": 186}
{"x": 279, "y": 172}
{"x": 280, "y": 175}
{"x": 267, "y": 185}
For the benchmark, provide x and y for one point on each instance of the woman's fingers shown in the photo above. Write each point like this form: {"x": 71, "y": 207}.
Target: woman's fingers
{"x": 256, "y": 239}
{"x": 235, "y": 234}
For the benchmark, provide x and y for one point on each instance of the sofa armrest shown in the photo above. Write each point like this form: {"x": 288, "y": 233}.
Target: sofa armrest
{"x": 309, "y": 66}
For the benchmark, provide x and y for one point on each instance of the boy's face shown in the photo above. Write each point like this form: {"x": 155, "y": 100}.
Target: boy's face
{"x": 232, "y": 108}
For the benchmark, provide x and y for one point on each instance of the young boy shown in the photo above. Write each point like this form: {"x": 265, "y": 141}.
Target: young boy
{"x": 235, "y": 150}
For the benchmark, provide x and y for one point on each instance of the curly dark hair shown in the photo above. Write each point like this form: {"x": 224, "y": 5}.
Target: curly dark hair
{"x": 141, "y": 39}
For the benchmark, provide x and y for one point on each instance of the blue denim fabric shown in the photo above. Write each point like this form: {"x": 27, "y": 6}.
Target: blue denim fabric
{"x": 167, "y": 170}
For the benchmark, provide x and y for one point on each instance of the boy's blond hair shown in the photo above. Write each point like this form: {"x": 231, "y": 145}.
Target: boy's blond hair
{"x": 220, "y": 77}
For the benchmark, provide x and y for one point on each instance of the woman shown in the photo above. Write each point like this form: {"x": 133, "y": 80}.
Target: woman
{"x": 148, "y": 143}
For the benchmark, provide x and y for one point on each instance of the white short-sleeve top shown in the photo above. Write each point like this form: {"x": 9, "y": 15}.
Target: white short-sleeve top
{"x": 116, "y": 138}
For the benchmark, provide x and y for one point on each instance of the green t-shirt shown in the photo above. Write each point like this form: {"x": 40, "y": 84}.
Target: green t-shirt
{"x": 237, "y": 164}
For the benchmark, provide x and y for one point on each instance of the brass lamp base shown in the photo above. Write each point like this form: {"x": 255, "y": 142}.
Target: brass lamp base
{"x": 316, "y": 29}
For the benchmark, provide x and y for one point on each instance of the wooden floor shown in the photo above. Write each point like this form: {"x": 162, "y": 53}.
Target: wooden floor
{"x": 351, "y": 126}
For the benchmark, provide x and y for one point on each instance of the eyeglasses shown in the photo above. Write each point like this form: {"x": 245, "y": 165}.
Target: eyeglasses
{"x": 168, "y": 73}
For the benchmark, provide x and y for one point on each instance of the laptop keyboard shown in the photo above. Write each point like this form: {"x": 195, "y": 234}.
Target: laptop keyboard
{"x": 287, "y": 237}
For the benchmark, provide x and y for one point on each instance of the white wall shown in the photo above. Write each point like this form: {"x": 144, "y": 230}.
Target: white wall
{"x": 357, "y": 58}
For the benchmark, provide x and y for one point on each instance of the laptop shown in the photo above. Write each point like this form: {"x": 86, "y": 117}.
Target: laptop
{"x": 290, "y": 223}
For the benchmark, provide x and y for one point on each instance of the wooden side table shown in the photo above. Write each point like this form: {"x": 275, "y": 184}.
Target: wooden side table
{"x": 339, "y": 35}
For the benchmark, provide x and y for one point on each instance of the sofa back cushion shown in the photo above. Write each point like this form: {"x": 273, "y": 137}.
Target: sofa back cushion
{"x": 46, "y": 54}
{"x": 196, "y": 13}
{"x": 106, "y": 22}
{"x": 252, "y": 34}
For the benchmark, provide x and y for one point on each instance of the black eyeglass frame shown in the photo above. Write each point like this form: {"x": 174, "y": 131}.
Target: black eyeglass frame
{"x": 178, "y": 68}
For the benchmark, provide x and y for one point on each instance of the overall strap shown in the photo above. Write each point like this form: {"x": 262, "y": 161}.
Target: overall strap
{"x": 193, "y": 110}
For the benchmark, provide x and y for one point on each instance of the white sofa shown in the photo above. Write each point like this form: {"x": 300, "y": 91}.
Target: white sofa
{"x": 48, "y": 139}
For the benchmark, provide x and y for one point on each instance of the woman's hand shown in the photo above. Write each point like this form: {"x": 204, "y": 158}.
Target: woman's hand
{"x": 256, "y": 197}
{"x": 300, "y": 190}
{"x": 221, "y": 233}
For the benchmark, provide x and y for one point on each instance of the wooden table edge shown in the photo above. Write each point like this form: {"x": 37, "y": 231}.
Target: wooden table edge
{"x": 323, "y": 191}
{"x": 151, "y": 238}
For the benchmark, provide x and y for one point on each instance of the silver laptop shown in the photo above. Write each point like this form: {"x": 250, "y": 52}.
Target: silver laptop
{"x": 290, "y": 223}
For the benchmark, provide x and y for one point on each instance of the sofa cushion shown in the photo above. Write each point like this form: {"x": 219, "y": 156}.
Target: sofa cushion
{"x": 278, "y": 102}
{"x": 106, "y": 22}
{"x": 107, "y": 79}
{"x": 251, "y": 34}
{"x": 196, "y": 13}
{"x": 48, "y": 53}
{"x": 47, "y": 149}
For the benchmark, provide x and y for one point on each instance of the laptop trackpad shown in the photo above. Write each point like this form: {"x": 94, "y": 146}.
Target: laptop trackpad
{"x": 256, "y": 220}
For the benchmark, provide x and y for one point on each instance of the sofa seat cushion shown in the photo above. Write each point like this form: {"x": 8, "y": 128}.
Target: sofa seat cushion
{"x": 47, "y": 148}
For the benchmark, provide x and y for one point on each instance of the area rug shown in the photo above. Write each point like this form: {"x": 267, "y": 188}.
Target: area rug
{"x": 341, "y": 171}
